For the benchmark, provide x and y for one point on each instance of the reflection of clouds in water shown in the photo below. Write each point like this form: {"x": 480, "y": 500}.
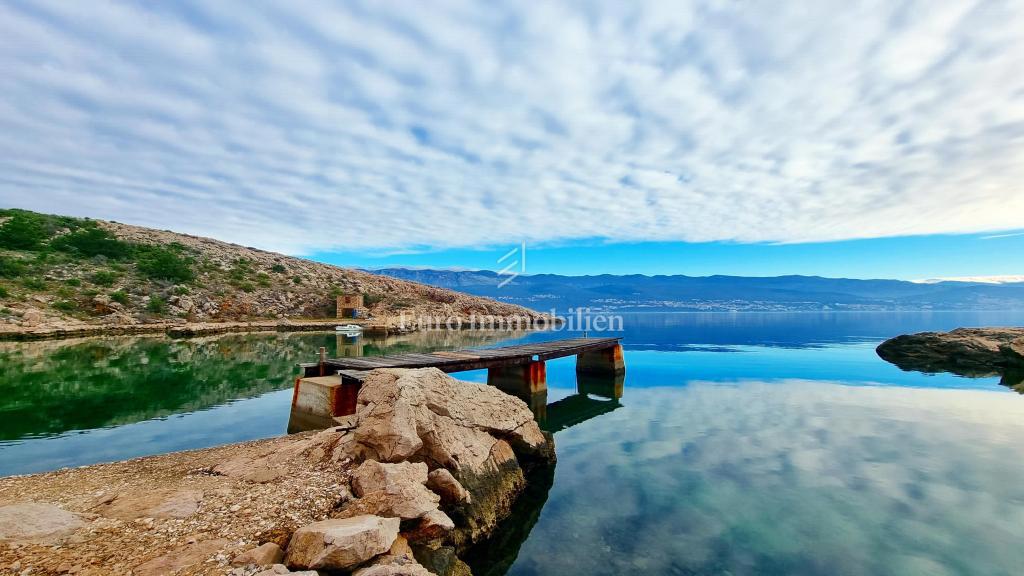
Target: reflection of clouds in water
{"x": 792, "y": 478}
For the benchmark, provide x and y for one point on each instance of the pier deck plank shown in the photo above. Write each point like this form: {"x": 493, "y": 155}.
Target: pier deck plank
{"x": 471, "y": 359}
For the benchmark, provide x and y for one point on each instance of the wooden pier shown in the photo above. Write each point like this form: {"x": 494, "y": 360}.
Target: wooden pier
{"x": 328, "y": 388}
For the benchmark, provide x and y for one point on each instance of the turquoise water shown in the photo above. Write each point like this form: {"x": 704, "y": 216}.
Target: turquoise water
{"x": 743, "y": 444}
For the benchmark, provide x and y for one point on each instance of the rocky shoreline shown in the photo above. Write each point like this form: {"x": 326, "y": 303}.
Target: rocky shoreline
{"x": 182, "y": 329}
{"x": 174, "y": 329}
{"x": 972, "y": 352}
{"x": 424, "y": 473}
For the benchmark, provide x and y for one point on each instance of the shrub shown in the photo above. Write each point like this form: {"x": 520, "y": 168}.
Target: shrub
{"x": 159, "y": 263}
{"x": 371, "y": 299}
{"x": 120, "y": 296}
{"x": 24, "y": 231}
{"x": 4, "y": 293}
{"x": 181, "y": 290}
{"x": 263, "y": 279}
{"x": 73, "y": 282}
{"x": 65, "y": 305}
{"x": 156, "y": 305}
{"x": 401, "y": 303}
{"x": 278, "y": 269}
{"x": 297, "y": 279}
{"x": 240, "y": 271}
{"x": 11, "y": 267}
{"x": 93, "y": 241}
{"x": 246, "y": 286}
{"x": 65, "y": 292}
{"x": 104, "y": 278}
{"x": 33, "y": 283}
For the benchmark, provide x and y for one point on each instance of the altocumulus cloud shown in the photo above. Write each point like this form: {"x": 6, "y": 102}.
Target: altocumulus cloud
{"x": 307, "y": 125}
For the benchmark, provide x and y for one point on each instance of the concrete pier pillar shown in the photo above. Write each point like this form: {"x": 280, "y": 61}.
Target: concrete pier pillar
{"x": 608, "y": 385}
{"x": 606, "y": 361}
{"x": 523, "y": 380}
{"x": 317, "y": 400}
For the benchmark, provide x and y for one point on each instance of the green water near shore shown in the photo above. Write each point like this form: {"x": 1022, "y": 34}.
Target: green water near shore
{"x": 73, "y": 402}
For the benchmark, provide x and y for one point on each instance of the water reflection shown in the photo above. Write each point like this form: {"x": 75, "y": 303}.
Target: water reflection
{"x": 787, "y": 477}
{"x": 1010, "y": 376}
{"x": 495, "y": 556}
{"x": 73, "y": 402}
{"x": 595, "y": 396}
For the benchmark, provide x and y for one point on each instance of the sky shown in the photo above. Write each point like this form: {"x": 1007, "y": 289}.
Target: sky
{"x": 859, "y": 139}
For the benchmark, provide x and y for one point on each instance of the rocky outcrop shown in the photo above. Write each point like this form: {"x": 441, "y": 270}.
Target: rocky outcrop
{"x": 973, "y": 352}
{"x": 448, "y": 458}
{"x": 481, "y": 437}
{"x": 428, "y": 467}
{"x": 425, "y": 415}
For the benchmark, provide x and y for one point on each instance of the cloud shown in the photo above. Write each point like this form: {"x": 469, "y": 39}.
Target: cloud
{"x": 318, "y": 126}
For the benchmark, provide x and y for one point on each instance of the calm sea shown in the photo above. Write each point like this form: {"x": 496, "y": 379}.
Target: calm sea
{"x": 741, "y": 444}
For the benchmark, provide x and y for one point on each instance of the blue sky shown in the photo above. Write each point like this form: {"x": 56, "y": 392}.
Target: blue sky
{"x": 870, "y": 138}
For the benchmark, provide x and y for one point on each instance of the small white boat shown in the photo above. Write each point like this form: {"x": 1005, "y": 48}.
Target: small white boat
{"x": 349, "y": 328}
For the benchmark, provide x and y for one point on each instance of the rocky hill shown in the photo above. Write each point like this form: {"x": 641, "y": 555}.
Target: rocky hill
{"x": 57, "y": 271}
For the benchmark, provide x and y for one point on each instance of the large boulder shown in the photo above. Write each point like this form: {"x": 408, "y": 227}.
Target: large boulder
{"x": 445, "y": 485}
{"x": 371, "y": 476}
{"x": 391, "y": 490}
{"x": 341, "y": 543}
{"x": 405, "y": 501}
{"x": 399, "y": 561}
{"x": 426, "y": 415}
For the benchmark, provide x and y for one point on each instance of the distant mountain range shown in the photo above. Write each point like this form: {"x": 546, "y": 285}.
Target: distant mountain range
{"x": 711, "y": 293}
